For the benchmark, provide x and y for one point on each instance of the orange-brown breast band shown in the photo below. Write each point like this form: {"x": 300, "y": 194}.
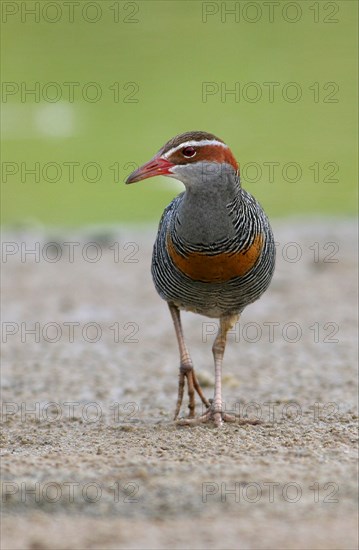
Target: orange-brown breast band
{"x": 217, "y": 268}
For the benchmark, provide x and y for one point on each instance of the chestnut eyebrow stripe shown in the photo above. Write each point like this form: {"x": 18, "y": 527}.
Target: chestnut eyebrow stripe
{"x": 194, "y": 143}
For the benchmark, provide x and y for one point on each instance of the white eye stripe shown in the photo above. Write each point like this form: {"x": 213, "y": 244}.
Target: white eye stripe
{"x": 194, "y": 143}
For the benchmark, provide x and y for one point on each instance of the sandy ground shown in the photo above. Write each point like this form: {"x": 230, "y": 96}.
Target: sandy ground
{"x": 91, "y": 456}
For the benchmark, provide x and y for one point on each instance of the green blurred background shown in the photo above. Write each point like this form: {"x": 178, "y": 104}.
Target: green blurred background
{"x": 160, "y": 54}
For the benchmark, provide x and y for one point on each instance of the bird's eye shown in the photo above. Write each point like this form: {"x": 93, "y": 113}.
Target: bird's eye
{"x": 189, "y": 152}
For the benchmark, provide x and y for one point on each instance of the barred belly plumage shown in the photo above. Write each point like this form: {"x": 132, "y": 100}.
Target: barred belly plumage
{"x": 214, "y": 298}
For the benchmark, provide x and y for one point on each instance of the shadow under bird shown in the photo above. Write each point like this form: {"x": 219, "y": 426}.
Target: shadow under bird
{"x": 214, "y": 252}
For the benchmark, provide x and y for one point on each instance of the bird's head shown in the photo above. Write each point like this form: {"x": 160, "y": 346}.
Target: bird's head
{"x": 192, "y": 157}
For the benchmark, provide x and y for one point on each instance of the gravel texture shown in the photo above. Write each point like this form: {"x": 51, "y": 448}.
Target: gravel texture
{"x": 91, "y": 456}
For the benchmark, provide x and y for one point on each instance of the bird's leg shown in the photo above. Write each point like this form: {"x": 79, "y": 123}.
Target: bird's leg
{"x": 215, "y": 411}
{"x": 219, "y": 345}
{"x": 186, "y": 369}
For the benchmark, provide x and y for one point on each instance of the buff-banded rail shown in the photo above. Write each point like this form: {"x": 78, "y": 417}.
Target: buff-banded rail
{"x": 214, "y": 253}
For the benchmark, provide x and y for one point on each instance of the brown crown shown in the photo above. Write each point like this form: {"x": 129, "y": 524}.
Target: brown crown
{"x": 187, "y": 136}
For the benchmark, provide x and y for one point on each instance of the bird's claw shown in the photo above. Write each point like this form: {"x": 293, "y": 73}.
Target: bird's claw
{"x": 212, "y": 414}
{"x": 193, "y": 386}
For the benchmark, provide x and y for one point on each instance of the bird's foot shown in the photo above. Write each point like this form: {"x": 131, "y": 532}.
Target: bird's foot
{"x": 214, "y": 413}
{"x": 187, "y": 372}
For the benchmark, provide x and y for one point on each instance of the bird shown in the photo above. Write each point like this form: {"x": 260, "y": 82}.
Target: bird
{"x": 214, "y": 253}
